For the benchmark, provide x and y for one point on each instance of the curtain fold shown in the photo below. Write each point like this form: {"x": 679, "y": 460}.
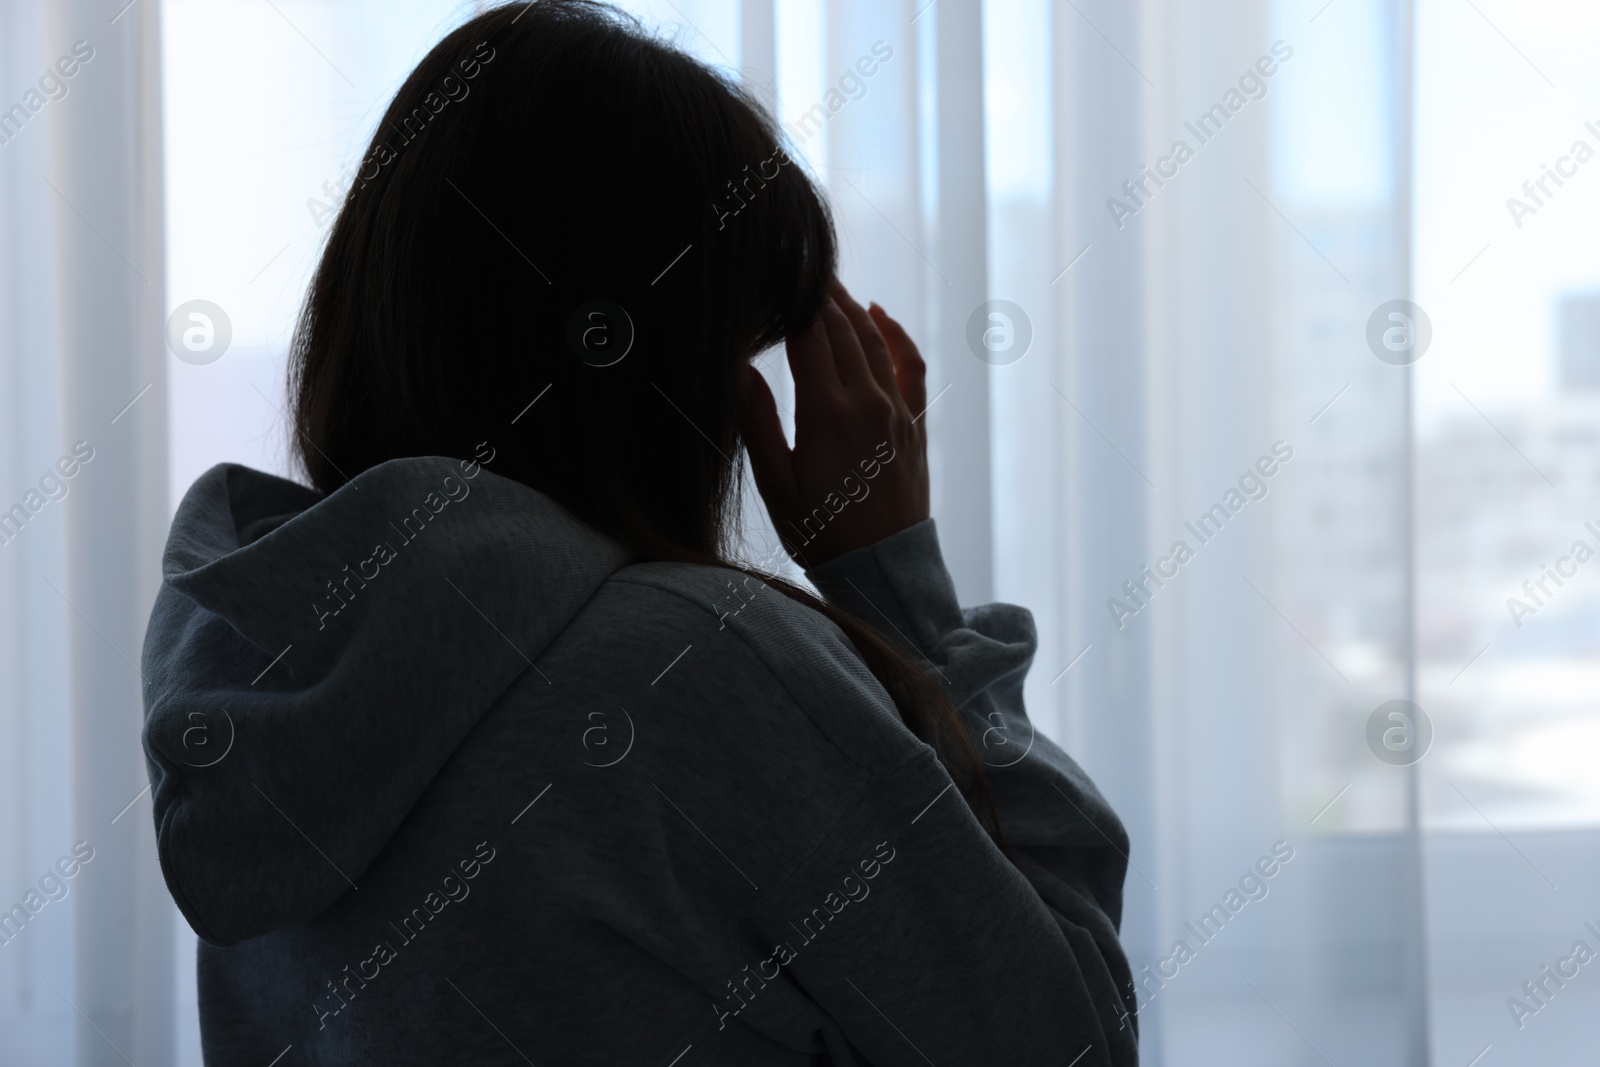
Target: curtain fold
{"x": 107, "y": 177}
{"x": 1098, "y": 90}
{"x": 959, "y": 421}
{"x": 86, "y": 965}
{"x": 35, "y": 760}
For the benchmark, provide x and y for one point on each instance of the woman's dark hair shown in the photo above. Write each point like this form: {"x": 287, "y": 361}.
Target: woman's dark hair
{"x": 545, "y": 156}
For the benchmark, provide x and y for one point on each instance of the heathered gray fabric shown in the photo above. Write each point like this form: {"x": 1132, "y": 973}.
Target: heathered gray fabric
{"x": 523, "y": 799}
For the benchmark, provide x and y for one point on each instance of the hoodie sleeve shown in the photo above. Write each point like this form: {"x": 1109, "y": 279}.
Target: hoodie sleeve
{"x": 1060, "y": 833}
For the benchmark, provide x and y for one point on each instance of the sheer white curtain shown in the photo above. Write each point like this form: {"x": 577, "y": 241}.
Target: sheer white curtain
{"x": 1132, "y": 345}
{"x": 1171, "y": 345}
{"x": 87, "y": 961}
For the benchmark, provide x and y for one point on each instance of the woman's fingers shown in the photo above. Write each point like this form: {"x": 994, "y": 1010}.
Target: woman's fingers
{"x": 848, "y": 356}
{"x": 876, "y": 350}
{"x": 816, "y": 380}
{"x": 911, "y": 372}
{"x": 770, "y": 458}
{"x": 857, "y": 378}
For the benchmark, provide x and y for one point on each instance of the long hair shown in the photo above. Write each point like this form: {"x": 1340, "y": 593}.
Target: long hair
{"x": 544, "y": 160}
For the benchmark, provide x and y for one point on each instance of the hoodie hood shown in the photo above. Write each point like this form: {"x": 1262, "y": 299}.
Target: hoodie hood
{"x": 312, "y": 661}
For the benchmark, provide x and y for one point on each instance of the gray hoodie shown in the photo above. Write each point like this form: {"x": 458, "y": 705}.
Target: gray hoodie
{"x": 442, "y": 775}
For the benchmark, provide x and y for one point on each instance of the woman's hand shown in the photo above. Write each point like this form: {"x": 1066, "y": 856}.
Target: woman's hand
{"x": 858, "y": 471}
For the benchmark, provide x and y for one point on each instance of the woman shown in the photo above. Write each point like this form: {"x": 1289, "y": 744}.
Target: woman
{"x": 482, "y": 750}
